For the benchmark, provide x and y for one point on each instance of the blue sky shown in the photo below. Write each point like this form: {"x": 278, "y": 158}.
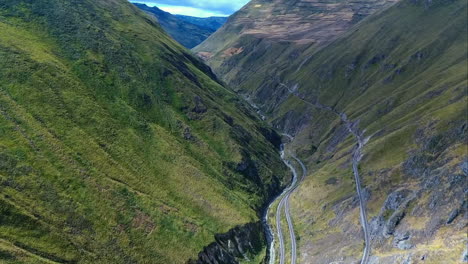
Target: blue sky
{"x": 198, "y": 8}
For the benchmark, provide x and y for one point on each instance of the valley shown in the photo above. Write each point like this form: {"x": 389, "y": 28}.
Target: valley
{"x": 284, "y": 198}
{"x": 294, "y": 131}
{"x": 378, "y": 114}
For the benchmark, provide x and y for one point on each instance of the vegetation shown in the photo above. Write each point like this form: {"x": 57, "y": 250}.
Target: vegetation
{"x": 116, "y": 145}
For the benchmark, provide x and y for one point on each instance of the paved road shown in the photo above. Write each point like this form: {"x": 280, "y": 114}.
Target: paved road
{"x": 357, "y": 155}
{"x": 282, "y": 253}
{"x": 284, "y": 203}
{"x": 288, "y": 215}
{"x": 280, "y": 236}
{"x": 285, "y": 196}
{"x": 292, "y": 235}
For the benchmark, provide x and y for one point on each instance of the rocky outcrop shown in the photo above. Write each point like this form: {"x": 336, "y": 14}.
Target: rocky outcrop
{"x": 437, "y": 201}
{"x": 241, "y": 243}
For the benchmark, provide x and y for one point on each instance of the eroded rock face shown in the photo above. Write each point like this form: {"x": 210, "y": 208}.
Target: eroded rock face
{"x": 396, "y": 198}
{"x": 240, "y": 243}
{"x": 411, "y": 217}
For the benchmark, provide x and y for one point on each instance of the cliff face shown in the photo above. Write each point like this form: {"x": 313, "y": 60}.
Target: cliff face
{"x": 244, "y": 243}
{"x": 399, "y": 75}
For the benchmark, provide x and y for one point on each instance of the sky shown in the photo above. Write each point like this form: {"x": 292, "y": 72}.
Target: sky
{"x": 197, "y": 8}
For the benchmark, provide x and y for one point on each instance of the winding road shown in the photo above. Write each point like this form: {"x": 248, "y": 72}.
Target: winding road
{"x": 288, "y": 215}
{"x": 284, "y": 203}
{"x": 357, "y": 155}
{"x": 285, "y": 196}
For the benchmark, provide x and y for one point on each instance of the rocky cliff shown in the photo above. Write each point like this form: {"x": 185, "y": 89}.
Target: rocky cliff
{"x": 242, "y": 244}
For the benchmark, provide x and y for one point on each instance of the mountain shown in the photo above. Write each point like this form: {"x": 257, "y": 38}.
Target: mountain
{"x": 188, "y": 31}
{"x": 213, "y": 23}
{"x": 378, "y": 92}
{"x": 118, "y": 146}
{"x": 240, "y": 49}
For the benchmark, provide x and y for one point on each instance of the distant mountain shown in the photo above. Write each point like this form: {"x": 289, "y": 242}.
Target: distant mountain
{"x": 240, "y": 49}
{"x": 188, "y": 31}
{"x": 213, "y": 23}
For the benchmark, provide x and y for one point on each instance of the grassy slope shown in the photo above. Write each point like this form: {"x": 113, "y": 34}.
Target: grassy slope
{"x": 102, "y": 157}
{"x": 418, "y": 86}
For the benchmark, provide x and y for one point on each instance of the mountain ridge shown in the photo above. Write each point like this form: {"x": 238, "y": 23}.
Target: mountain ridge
{"x": 213, "y": 22}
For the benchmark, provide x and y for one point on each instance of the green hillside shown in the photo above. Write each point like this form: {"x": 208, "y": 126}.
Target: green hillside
{"x": 116, "y": 145}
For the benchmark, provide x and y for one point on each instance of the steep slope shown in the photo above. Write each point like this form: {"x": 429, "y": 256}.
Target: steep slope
{"x": 401, "y": 78}
{"x": 117, "y": 146}
{"x": 397, "y": 83}
{"x": 240, "y": 50}
{"x": 188, "y": 31}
